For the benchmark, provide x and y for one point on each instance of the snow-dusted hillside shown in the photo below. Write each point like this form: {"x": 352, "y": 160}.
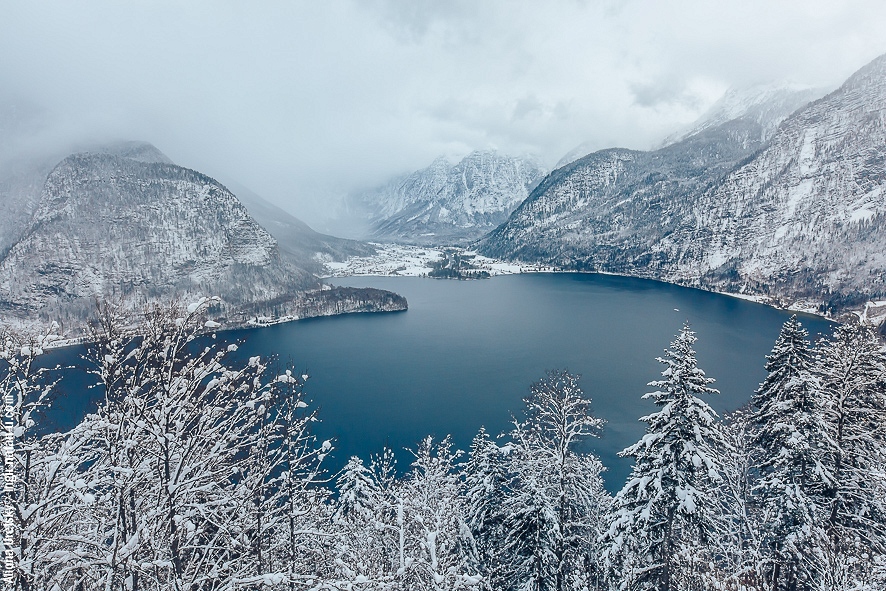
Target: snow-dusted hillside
{"x": 445, "y": 203}
{"x": 800, "y": 216}
{"x": 122, "y": 222}
{"x": 610, "y": 208}
{"x": 765, "y": 105}
{"x": 22, "y": 178}
{"x": 111, "y": 226}
{"x": 807, "y": 216}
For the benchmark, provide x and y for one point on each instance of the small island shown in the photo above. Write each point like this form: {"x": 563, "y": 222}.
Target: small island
{"x": 327, "y": 301}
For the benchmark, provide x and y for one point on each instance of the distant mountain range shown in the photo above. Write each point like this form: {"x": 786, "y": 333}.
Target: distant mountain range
{"x": 124, "y": 222}
{"x": 768, "y": 194}
{"x": 447, "y": 203}
{"x": 795, "y": 210}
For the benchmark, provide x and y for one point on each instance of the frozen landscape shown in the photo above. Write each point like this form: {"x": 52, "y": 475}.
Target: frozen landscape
{"x": 226, "y": 365}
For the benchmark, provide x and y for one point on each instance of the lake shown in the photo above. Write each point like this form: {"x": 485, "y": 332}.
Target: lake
{"x": 465, "y": 353}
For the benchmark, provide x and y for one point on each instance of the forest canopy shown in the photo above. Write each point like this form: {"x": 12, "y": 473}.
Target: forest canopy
{"x": 198, "y": 471}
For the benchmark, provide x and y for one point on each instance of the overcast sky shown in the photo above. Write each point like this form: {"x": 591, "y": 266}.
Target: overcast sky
{"x": 305, "y": 101}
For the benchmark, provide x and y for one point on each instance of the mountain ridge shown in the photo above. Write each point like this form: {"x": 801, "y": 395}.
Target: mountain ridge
{"x": 125, "y": 223}
{"x": 693, "y": 220}
{"x": 446, "y": 203}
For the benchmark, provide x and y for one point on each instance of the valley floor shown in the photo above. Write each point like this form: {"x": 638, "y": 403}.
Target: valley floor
{"x": 393, "y": 260}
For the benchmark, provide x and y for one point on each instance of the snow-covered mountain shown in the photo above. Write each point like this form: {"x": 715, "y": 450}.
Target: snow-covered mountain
{"x": 446, "y": 203}
{"x": 22, "y": 178}
{"x": 800, "y": 216}
{"x": 767, "y": 105}
{"x": 124, "y": 222}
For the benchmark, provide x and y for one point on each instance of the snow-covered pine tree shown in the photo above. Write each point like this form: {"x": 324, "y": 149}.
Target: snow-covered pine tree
{"x": 388, "y": 543}
{"x": 357, "y": 493}
{"x": 371, "y": 526}
{"x": 852, "y": 368}
{"x": 666, "y": 514}
{"x": 738, "y": 541}
{"x": 789, "y": 435}
{"x": 555, "y": 496}
{"x": 438, "y": 548}
{"x": 362, "y": 544}
{"x": 485, "y": 478}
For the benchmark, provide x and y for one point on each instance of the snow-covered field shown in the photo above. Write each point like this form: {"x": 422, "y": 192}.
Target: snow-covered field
{"x": 415, "y": 261}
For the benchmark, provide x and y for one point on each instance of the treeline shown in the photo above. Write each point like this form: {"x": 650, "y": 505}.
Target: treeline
{"x": 199, "y": 472}
{"x": 455, "y": 264}
{"x": 326, "y": 301}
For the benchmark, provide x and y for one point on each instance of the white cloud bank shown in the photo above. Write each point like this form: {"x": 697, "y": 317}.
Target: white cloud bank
{"x": 304, "y": 101}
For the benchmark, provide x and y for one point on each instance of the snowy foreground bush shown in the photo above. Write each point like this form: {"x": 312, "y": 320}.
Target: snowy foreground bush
{"x": 197, "y": 472}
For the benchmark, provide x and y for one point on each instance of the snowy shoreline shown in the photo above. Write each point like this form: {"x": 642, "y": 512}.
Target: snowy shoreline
{"x": 397, "y": 260}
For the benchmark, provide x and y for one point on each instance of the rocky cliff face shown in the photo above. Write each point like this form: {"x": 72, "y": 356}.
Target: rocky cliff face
{"x": 136, "y": 226}
{"x": 796, "y": 214}
{"x": 448, "y": 204}
{"x": 806, "y": 217}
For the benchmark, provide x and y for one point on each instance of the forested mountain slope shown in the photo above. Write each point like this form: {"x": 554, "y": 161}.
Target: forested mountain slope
{"x": 295, "y": 238}
{"x": 767, "y": 105}
{"x": 125, "y": 223}
{"x": 799, "y": 216}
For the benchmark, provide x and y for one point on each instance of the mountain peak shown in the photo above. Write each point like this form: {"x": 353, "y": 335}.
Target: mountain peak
{"x": 122, "y": 222}
{"x": 767, "y": 105}
{"x": 449, "y": 202}
{"x": 133, "y": 150}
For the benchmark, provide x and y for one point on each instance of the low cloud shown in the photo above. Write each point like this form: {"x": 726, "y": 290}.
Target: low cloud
{"x": 304, "y": 102}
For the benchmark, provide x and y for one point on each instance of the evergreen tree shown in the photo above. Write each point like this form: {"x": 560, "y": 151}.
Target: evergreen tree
{"x": 365, "y": 522}
{"x": 739, "y": 541}
{"x": 789, "y": 436}
{"x": 438, "y": 546}
{"x": 555, "y": 494}
{"x": 852, "y": 370}
{"x": 357, "y": 493}
{"x": 485, "y": 478}
{"x": 665, "y": 515}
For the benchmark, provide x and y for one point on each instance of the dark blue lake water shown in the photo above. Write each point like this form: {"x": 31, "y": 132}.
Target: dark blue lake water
{"x": 465, "y": 353}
